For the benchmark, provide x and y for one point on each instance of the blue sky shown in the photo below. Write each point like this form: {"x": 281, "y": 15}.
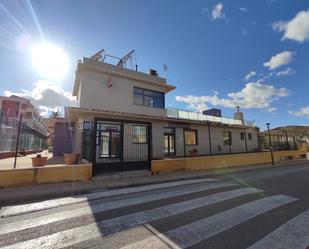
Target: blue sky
{"x": 219, "y": 53}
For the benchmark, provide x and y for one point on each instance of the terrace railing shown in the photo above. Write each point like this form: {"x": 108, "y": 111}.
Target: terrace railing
{"x": 188, "y": 115}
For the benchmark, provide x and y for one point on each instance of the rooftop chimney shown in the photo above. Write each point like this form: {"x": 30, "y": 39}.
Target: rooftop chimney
{"x": 238, "y": 114}
{"x": 152, "y": 72}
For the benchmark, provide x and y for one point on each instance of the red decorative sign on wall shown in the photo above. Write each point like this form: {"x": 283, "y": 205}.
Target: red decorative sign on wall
{"x": 109, "y": 82}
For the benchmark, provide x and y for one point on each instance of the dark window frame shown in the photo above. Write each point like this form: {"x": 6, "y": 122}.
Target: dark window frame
{"x": 146, "y": 93}
{"x": 250, "y": 137}
{"x": 242, "y": 136}
{"x": 196, "y": 137}
{"x": 229, "y": 141}
{"x": 173, "y": 133}
{"x": 137, "y": 125}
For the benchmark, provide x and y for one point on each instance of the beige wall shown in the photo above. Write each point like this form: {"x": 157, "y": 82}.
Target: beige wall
{"x": 157, "y": 146}
{"x": 221, "y": 161}
{"x": 158, "y": 139}
{"x": 95, "y": 93}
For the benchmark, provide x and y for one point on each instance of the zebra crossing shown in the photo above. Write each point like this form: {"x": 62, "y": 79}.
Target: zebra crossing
{"x": 180, "y": 214}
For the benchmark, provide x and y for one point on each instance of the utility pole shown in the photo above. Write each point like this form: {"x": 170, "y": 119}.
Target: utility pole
{"x": 270, "y": 145}
{"x": 17, "y": 142}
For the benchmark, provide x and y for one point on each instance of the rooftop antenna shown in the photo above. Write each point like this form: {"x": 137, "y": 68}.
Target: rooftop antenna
{"x": 165, "y": 69}
{"x": 98, "y": 55}
{"x": 123, "y": 61}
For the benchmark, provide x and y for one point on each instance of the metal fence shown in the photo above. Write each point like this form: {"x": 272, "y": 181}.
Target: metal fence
{"x": 279, "y": 141}
{"x": 30, "y": 140}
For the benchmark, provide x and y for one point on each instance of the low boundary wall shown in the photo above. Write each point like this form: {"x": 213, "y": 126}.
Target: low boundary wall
{"x": 10, "y": 154}
{"x": 221, "y": 161}
{"x": 46, "y": 174}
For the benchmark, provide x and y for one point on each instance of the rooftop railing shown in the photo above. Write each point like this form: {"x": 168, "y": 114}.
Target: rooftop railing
{"x": 188, "y": 115}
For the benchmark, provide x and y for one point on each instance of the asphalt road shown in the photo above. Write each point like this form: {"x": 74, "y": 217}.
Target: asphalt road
{"x": 258, "y": 209}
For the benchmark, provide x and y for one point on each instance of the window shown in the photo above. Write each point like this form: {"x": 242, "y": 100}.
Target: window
{"x": 250, "y": 136}
{"x": 227, "y": 138}
{"x": 242, "y": 136}
{"x": 148, "y": 98}
{"x": 190, "y": 137}
{"x": 139, "y": 134}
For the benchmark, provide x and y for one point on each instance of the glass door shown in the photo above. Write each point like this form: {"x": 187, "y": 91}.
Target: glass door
{"x": 169, "y": 141}
{"x": 109, "y": 140}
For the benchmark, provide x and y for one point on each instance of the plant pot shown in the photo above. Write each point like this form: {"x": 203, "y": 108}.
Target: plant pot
{"x": 39, "y": 161}
{"x": 193, "y": 152}
{"x": 70, "y": 159}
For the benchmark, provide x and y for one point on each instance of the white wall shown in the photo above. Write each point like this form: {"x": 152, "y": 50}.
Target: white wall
{"x": 95, "y": 94}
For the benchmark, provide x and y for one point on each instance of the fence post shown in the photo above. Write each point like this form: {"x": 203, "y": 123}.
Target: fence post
{"x": 17, "y": 142}
{"x": 209, "y": 140}
{"x": 287, "y": 141}
{"x": 246, "y": 145}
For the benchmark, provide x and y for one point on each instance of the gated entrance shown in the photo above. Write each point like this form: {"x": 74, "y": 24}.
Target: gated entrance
{"x": 119, "y": 145}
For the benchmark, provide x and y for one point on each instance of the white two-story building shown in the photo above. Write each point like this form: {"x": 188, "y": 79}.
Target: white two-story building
{"x": 121, "y": 122}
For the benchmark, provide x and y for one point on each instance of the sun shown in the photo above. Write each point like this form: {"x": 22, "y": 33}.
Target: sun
{"x": 50, "y": 60}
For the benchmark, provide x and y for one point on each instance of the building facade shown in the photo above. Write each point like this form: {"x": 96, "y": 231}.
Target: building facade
{"x": 33, "y": 132}
{"x": 121, "y": 122}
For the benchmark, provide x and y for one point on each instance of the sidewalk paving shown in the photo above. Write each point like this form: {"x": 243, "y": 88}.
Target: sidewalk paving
{"x": 24, "y": 162}
{"x": 104, "y": 182}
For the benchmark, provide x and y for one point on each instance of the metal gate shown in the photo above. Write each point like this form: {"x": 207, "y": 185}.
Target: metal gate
{"x": 121, "y": 145}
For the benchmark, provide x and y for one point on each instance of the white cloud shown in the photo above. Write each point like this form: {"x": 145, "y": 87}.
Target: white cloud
{"x": 217, "y": 12}
{"x": 250, "y": 74}
{"x": 302, "y": 112}
{"x": 296, "y": 29}
{"x": 254, "y": 95}
{"x": 286, "y": 72}
{"x": 46, "y": 96}
{"x": 279, "y": 59}
{"x": 243, "y": 9}
{"x": 271, "y": 109}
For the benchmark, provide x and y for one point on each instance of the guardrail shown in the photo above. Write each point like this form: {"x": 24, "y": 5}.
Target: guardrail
{"x": 188, "y": 115}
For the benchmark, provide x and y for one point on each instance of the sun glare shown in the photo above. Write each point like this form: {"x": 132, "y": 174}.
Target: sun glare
{"x": 51, "y": 61}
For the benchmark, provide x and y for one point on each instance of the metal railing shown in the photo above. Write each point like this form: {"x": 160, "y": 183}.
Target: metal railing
{"x": 188, "y": 115}
{"x": 30, "y": 139}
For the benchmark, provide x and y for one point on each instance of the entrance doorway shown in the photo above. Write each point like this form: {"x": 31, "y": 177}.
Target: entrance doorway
{"x": 110, "y": 144}
{"x": 121, "y": 145}
{"x": 169, "y": 142}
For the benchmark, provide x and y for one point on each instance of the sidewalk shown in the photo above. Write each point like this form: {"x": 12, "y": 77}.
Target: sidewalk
{"x": 101, "y": 183}
{"x": 24, "y": 162}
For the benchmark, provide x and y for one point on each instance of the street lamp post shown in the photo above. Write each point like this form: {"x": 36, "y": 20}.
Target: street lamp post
{"x": 270, "y": 145}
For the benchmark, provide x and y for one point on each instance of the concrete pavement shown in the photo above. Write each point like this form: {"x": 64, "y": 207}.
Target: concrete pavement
{"x": 116, "y": 180}
{"x": 24, "y": 162}
{"x": 258, "y": 209}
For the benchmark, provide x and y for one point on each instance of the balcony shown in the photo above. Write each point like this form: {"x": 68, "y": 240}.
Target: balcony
{"x": 187, "y": 115}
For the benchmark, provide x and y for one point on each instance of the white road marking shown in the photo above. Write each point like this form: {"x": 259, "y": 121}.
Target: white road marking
{"x": 36, "y": 206}
{"x": 88, "y": 210}
{"x": 200, "y": 230}
{"x": 131, "y": 220}
{"x": 293, "y": 234}
{"x": 84, "y": 233}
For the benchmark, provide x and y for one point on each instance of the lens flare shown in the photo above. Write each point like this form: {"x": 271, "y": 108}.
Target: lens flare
{"x": 50, "y": 61}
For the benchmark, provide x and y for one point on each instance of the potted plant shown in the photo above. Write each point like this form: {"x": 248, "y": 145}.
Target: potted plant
{"x": 39, "y": 161}
{"x": 71, "y": 158}
{"x": 193, "y": 152}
